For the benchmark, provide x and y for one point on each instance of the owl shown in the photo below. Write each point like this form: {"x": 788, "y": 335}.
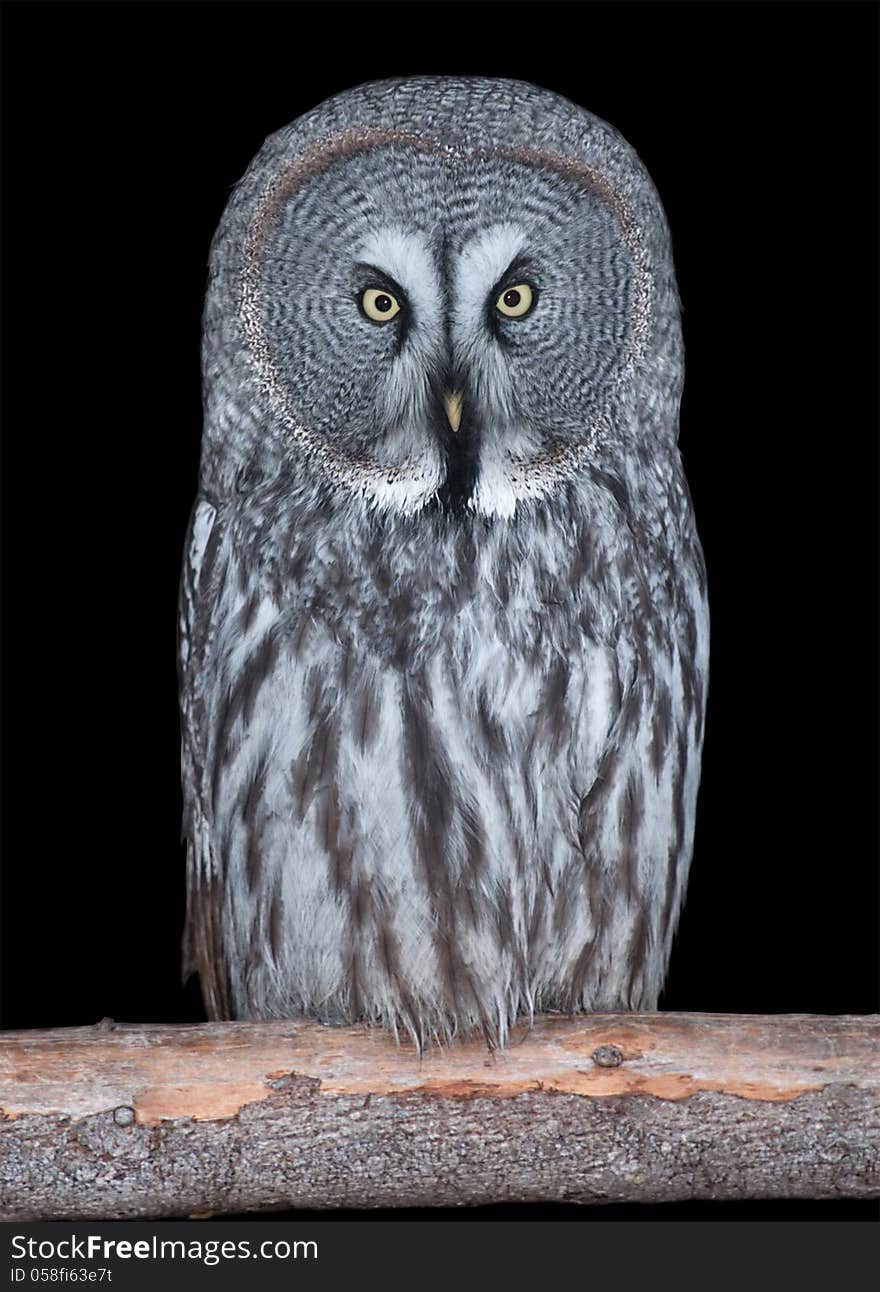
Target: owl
{"x": 443, "y": 639}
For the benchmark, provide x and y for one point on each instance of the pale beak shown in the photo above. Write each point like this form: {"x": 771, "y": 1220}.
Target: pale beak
{"x": 452, "y": 403}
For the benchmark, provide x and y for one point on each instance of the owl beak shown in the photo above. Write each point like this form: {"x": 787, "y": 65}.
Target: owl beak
{"x": 452, "y": 403}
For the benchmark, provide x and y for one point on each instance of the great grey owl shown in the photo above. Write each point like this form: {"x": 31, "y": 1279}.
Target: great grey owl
{"x": 444, "y": 631}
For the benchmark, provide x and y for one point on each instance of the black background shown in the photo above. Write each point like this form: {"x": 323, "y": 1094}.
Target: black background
{"x": 125, "y": 127}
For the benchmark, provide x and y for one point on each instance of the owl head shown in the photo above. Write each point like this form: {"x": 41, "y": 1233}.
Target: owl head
{"x": 439, "y": 294}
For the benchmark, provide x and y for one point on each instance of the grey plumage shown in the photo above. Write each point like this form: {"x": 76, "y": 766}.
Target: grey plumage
{"x": 442, "y": 691}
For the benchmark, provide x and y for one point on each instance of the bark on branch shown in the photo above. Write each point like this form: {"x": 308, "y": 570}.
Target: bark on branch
{"x": 124, "y": 1121}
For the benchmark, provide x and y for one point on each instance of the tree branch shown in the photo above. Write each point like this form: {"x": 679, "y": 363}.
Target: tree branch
{"x": 125, "y": 1121}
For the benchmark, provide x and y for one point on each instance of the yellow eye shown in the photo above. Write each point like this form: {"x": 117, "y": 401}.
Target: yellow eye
{"x": 378, "y": 305}
{"x": 515, "y": 302}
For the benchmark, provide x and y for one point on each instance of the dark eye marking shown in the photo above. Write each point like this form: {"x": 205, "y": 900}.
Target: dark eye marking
{"x": 514, "y": 296}
{"x": 382, "y": 301}
{"x": 375, "y": 280}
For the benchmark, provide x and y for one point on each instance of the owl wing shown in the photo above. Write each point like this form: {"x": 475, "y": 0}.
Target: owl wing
{"x": 637, "y": 794}
{"x": 202, "y": 945}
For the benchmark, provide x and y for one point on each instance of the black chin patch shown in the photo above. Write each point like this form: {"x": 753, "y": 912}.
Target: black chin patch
{"x": 461, "y": 453}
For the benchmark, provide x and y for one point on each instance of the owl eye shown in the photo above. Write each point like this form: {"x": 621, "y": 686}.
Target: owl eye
{"x": 515, "y": 302}
{"x": 378, "y": 305}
